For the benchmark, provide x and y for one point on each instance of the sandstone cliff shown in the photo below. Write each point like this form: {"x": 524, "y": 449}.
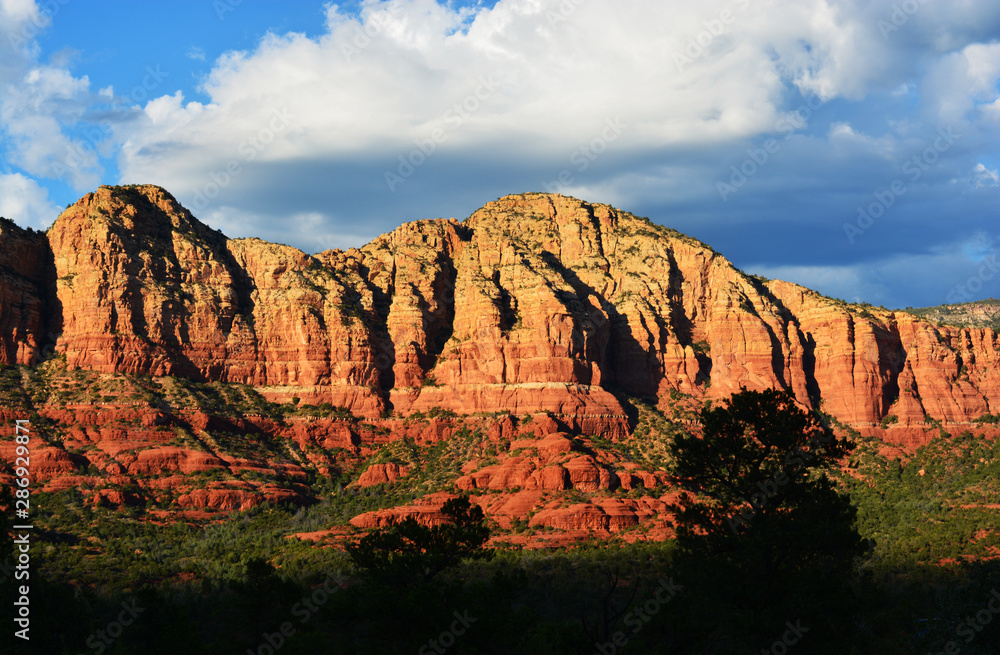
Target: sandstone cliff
{"x": 28, "y": 313}
{"x": 560, "y": 302}
{"x": 536, "y": 314}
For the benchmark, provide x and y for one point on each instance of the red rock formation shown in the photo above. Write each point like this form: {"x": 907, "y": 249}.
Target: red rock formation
{"x": 611, "y": 514}
{"x": 231, "y": 499}
{"x": 46, "y": 463}
{"x": 160, "y": 460}
{"x": 382, "y": 473}
{"x": 145, "y": 288}
{"x": 27, "y": 300}
{"x": 426, "y": 511}
{"x": 559, "y": 300}
{"x": 527, "y": 481}
{"x": 537, "y": 305}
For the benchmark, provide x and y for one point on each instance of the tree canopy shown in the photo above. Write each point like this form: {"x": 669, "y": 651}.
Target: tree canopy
{"x": 409, "y": 552}
{"x": 755, "y": 485}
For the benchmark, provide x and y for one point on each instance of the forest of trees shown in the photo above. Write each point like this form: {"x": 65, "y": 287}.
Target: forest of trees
{"x": 778, "y": 550}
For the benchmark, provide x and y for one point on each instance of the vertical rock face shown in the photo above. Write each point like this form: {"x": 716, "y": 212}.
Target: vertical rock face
{"x": 893, "y": 364}
{"x": 146, "y": 288}
{"x": 27, "y": 295}
{"x": 537, "y": 302}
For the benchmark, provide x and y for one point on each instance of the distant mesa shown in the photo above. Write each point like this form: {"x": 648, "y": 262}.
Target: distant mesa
{"x": 535, "y": 303}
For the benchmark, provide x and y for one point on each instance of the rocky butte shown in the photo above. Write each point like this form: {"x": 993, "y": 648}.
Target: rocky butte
{"x": 537, "y": 303}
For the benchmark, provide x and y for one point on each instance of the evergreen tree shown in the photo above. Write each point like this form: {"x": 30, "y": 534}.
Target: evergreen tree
{"x": 409, "y": 552}
{"x": 760, "y": 523}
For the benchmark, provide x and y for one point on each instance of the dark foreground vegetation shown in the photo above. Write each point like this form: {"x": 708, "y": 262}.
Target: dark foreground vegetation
{"x": 790, "y": 540}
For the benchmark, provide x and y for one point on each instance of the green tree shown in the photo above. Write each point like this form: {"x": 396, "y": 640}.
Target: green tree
{"x": 756, "y": 460}
{"x": 759, "y": 515}
{"x": 409, "y": 552}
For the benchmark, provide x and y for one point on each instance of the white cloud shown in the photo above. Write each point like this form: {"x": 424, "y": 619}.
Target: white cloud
{"x": 40, "y": 104}
{"x": 20, "y": 20}
{"x": 983, "y": 176}
{"x": 961, "y": 87}
{"x": 305, "y": 228}
{"x": 514, "y": 92}
{"x": 295, "y": 135}
{"x": 940, "y": 274}
{"x": 33, "y": 114}
{"x": 23, "y": 201}
{"x": 392, "y": 78}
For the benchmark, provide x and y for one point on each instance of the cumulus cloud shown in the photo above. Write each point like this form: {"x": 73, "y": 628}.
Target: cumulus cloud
{"x": 683, "y": 75}
{"x": 983, "y": 176}
{"x": 962, "y": 86}
{"x": 25, "y": 202}
{"x": 407, "y": 109}
{"x": 420, "y": 81}
{"x": 964, "y": 270}
{"x": 41, "y": 105}
{"x": 34, "y": 114}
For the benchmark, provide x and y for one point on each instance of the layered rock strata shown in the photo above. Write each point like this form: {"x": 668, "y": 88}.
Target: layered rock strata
{"x": 537, "y": 302}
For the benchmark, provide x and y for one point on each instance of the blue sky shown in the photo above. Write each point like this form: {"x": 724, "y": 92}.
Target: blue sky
{"x": 848, "y": 146}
